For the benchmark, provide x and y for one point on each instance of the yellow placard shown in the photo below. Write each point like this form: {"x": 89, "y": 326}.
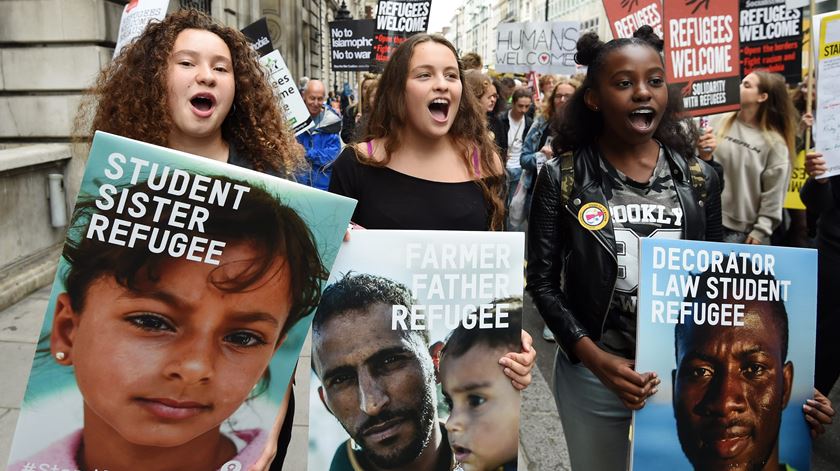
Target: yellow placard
{"x": 797, "y": 179}
{"x": 831, "y": 48}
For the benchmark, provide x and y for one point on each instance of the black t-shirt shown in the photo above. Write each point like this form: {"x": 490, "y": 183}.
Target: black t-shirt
{"x": 392, "y": 200}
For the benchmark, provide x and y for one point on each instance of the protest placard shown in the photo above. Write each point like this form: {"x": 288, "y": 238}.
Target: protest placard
{"x": 625, "y": 16}
{"x": 396, "y": 21}
{"x": 827, "y": 122}
{"x": 800, "y": 3}
{"x": 280, "y": 77}
{"x": 403, "y": 309}
{"x": 136, "y": 15}
{"x": 710, "y": 315}
{"x": 537, "y": 46}
{"x": 351, "y": 43}
{"x": 257, "y": 33}
{"x": 181, "y": 302}
{"x": 798, "y": 176}
{"x": 771, "y": 38}
{"x": 701, "y": 54}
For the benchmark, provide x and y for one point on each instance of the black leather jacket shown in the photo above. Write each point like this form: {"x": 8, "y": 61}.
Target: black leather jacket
{"x": 571, "y": 270}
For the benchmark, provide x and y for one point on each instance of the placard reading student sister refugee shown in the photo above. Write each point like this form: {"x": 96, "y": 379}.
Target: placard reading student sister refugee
{"x": 730, "y": 330}
{"x": 406, "y": 346}
{"x": 182, "y": 299}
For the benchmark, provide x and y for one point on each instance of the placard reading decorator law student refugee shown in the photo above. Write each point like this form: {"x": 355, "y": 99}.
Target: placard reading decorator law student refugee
{"x": 729, "y": 329}
{"x": 701, "y": 54}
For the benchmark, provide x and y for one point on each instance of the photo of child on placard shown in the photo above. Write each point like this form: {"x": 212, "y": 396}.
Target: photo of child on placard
{"x": 405, "y": 353}
{"x": 729, "y": 329}
{"x": 182, "y": 298}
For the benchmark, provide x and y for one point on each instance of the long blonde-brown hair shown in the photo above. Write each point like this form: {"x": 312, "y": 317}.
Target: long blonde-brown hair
{"x": 369, "y": 83}
{"x": 468, "y": 132}
{"x": 130, "y": 96}
{"x": 776, "y": 114}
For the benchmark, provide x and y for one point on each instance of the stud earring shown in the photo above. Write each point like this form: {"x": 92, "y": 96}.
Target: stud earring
{"x": 60, "y": 356}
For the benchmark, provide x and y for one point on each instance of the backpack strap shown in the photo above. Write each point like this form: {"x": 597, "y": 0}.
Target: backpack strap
{"x": 567, "y": 176}
{"x": 698, "y": 179}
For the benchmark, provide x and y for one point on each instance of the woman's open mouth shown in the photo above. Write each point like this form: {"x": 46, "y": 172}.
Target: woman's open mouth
{"x": 461, "y": 453}
{"x": 439, "y": 109}
{"x": 642, "y": 119}
{"x": 203, "y": 104}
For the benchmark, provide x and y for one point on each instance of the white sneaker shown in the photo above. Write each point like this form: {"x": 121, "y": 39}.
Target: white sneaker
{"x": 548, "y": 335}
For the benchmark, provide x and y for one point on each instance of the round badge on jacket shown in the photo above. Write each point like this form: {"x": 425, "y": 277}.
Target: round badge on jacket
{"x": 593, "y": 216}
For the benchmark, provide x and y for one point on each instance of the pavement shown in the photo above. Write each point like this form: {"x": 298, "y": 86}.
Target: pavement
{"x": 542, "y": 440}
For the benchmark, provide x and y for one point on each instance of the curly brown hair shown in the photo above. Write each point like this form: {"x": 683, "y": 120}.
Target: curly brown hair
{"x": 468, "y": 132}
{"x": 130, "y": 97}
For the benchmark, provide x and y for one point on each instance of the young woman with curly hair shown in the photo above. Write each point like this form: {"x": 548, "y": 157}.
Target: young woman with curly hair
{"x": 425, "y": 159}
{"x": 192, "y": 84}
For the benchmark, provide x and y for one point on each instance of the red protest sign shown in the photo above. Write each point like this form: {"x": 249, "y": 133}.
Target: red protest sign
{"x": 626, "y": 16}
{"x": 701, "y": 54}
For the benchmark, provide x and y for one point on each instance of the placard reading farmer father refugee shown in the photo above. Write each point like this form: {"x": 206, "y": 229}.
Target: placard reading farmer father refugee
{"x": 181, "y": 302}
{"x": 406, "y": 346}
{"x": 729, "y": 329}
{"x": 701, "y": 54}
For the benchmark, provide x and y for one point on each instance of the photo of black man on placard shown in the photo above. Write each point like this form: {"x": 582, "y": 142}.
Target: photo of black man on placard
{"x": 730, "y": 331}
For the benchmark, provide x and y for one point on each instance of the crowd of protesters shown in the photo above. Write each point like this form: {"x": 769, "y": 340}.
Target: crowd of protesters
{"x": 432, "y": 145}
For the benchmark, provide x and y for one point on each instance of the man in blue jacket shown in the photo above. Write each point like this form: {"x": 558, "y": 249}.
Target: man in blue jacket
{"x": 322, "y": 142}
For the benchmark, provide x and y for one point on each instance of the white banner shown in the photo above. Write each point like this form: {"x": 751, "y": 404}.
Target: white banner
{"x": 297, "y": 115}
{"x": 800, "y": 3}
{"x": 827, "y": 123}
{"x": 544, "y": 47}
{"x": 136, "y": 15}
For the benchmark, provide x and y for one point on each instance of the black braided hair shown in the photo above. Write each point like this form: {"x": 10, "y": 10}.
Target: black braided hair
{"x": 579, "y": 126}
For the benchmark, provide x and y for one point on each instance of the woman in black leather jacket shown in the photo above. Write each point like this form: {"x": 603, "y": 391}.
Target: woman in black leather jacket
{"x": 631, "y": 179}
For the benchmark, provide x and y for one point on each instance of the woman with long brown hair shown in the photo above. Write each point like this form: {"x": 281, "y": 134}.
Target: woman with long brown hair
{"x": 755, "y": 146}
{"x": 355, "y": 114}
{"x": 426, "y": 159}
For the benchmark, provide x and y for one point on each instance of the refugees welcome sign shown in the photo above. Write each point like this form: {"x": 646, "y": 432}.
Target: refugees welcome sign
{"x": 544, "y": 47}
{"x": 701, "y": 54}
{"x": 771, "y": 38}
{"x": 396, "y": 21}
